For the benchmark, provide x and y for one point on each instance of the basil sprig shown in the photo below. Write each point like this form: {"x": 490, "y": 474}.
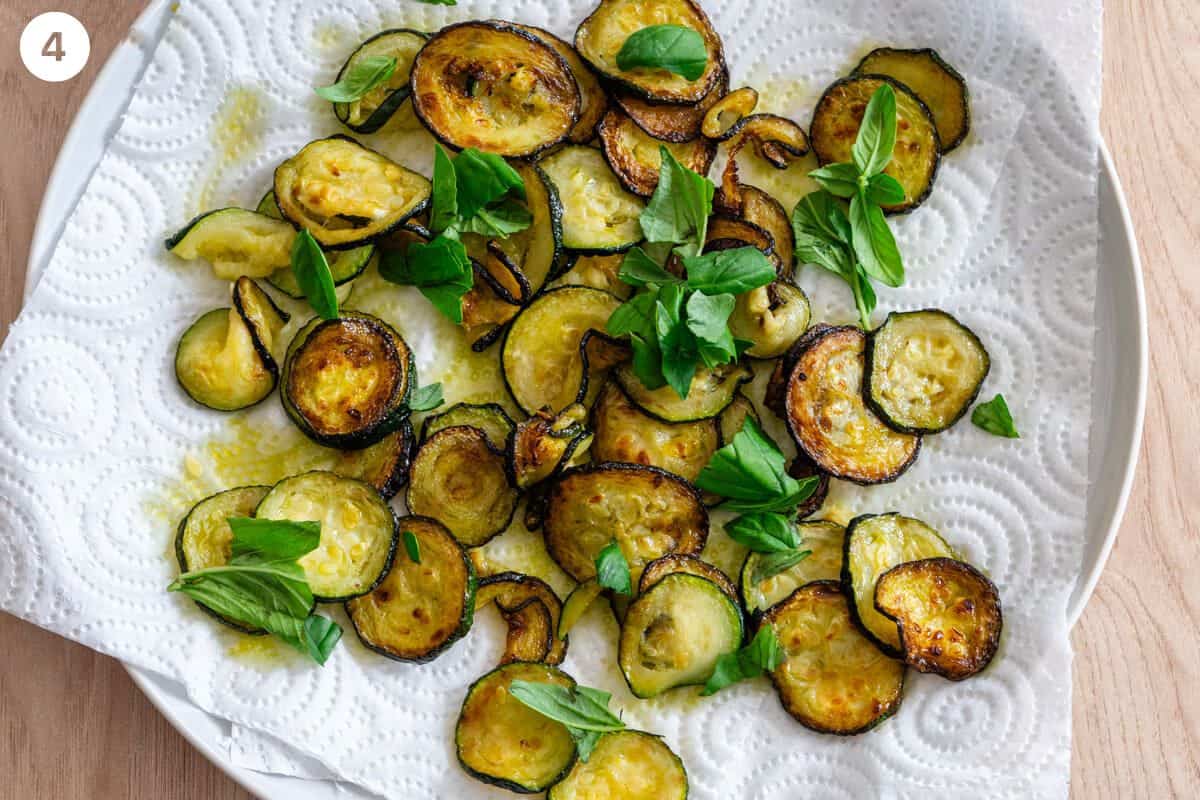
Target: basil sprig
{"x": 995, "y": 418}
{"x": 763, "y": 654}
{"x": 311, "y": 269}
{"x": 363, "y": 76}
{"x": 612, "y": 569}
{"x": 264, "y": 586}
{"x": 582, "y": 709}
{"x": 676, "y": 48}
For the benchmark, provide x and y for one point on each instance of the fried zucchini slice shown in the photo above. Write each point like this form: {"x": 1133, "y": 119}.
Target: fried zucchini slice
{"x": 345, "y": 194}
{"x": 625, "y": 433}
{"x": 777, "y": 139}
{"x": 530, "y": 633}
{"x": 723, "y": 229}
{"x": 600, "y": 37}
{"x": 802, "y": 467}
{"x": 832, "y": 679}
{"x": 460, "y": 480}
{"x": 219, "y": 365}
{"x": 598, "y": 272}
{"x": 235, "y": 242}
{"x": 488, "y": 307}
{"x": 535, "y": 251}
{"x": 937, "y": 83}
{"x": 546, "y": 444}
{"x": 512, "y": 590}
{"x": 874, "y": 544}
{"x": 635, "y": 156}
{"x": 371, "y": 111}
{"x": 827, "y": 417}
{"x": 674, "y": 633}
{"x": 731, "y": 421}
{"x": 838, "y": 116}
{"x": 826, "y": 540}
{"x": 626, "y": 765}
{"x": 720, "y": 119}
{"x": 579, "y": 601}
{"x": 264, "y": 319}
{"x": 673, "y": 563}
{"x": 496, "y": 87}
{"x": 649, "y": 512}
{"x": 420, "y": 608}
{"x": 344, "y": 265}
{"x": 669, "y": 122}
{"x": 924, "y": 370}
{"x": 711, "y": 392}
{"x": 384, "y": 464}
{"x": 358, "y": 531}
{"x": 593, "y": 100}
{"x": 346, "y": 381}
{"x": 544, "y": 357}
{"x": 204, "y": 538}
{"x": 772, "y": 316}
{"x": 491, "y": 418}
{"x": 598, "y": 214}
{"x": 948, "y": 613}
{"x": 503, "y": 742}
{"x": 763, "y": 210}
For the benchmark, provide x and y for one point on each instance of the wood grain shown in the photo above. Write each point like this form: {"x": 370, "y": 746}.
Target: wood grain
{"x": 72, "y": 725}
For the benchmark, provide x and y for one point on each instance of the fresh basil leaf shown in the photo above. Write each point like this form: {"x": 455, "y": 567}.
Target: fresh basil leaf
{"x": 272, "y": 539}
{"x": 635, "y": 315}
{"x": 764, "y": 532}
{"x": 884, "y": 190}
{"x": 639, "y": 269}
{"x": 679, "y": 209}
{"x": 751, "y": 474}
{"x": 708, "y": 318}
{"x": 313, "y": 276}
{"x": 499, "y": 220}
{"x": 412, "y": 546}
{"x": 837, "y": 179}
{"x": 447, "y": 298}
{"x": 763, "y": 654}
{"x": 440, "y": 269}
{"x": 483, "y": 178}
{"x": 321, "y": 635}
{"x": 361, "y": 78}
{"x": 575, "y": 709}
{"x": 612, "y": 570}
{"x": 675, "y": 341}
{"x": 771, "y": 565}
{"x": 675, "y": 48}
{"x": 819, "y": 215}
{"x": 726, "y": 672}
{"x": 872, "y": 150}
{"x": 995, "y": 418}
{"x": 426, "y": 398}
{"x": 647, "y": 361}
{"x": 445, "y": 191}
{"x": 732, "y": 271}
{"x": 585, "y": 742}
{"x": 874, "y": 244}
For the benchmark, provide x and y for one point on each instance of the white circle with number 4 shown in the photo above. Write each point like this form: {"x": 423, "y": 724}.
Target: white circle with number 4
{"x": 55, "y": 46}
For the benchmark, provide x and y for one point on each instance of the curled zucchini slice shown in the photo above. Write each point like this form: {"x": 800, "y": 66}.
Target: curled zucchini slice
{"x": 358, "y": 531}
{"x": 674, "y": 563}
{"x": 544, "y": 359}
{"x": 875, "y": 544}
{"x": 503, "y": 742}
{"x": 763, "y": 210}
{"x": 598, "y": 272}
{"x": 802, "y": 467}
{"x": 669, "y": 122}
{"x": 914, "y": 163}
{"x": 825, "y": 539}
{"x": 720, "y": 119}
{"x": 546, "y": 444}
{"x": 579, "y": 601}
{"x": 827, "y": 417}
{"x": 535, "y": 251}
{"x": 490, "y": 418}
{"x": 204, "y": 538}
{"x": 236, "y": 242}
{"x": 731, "y": 421}
{"x": 371, "y": 111}
{"x": 724, "y": 229}
{"x": 934, "y": 81}
{"x": 777, "y": 139}
{"x": 384, "y": 464}
{"x": 772, "y": 316}
{"x": 511, "y": 591}
{"x": 598, "y": 214}
{"x": 496, "y": 87}
{"x": 530, "y": 633}
{"x": 419, "y": 609}
{"x": 600, "y": 37}
{"x": 674, "y": 633}
{"x": 489, "y": 306}
{"x": 832, "y": 679}
{"x": 649, "y": 512}
{"x": 344, "y": 265}
{"x": 625, "y": 433}
{"x": 635, "y": 156}
{"x": 593, "y": 100}
{"x": 626, "y": 765}
{"x": 346, "y": 381}
{"x": 458, "y": 479}
{"x": 711, "y": 392}
{"x": 219, "y": 364}
{"x": 346, "y": 194}
{"x": 948, "y": 613}
{"x": 924, "y": 370}
{"x": 264, "y": 319}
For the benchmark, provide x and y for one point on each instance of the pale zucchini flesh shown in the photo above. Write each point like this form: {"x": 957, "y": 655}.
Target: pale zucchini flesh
{"x": 236, "y": 242}
{"x": 219, "y": 365}
{"x": 344, "y": 265}
{"x": 626, "y": 765}
{"x": 599, "y": 214}
{"x": 826, "y": 540}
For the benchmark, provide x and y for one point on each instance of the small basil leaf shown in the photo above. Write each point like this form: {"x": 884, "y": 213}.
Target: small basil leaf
{"x": 361, "y": 78}
{"x": 874, "y": 244}
{"x": 708, "y": 319}
{"x": 678, "y": 211}
{"x": 412, "y": 546}
{"x": 499, "y": 220}
{"x": 771, "y": 565}
{"x": 884, "y": 190}
{"x": 612, "y": 570}
{"x": 321, "y": 635}
{"x": 837, "y": 179}
{"x": 445, "y": 191}
{"x": 763, "y": 654}
{"x": 647, "y": 361}
{"x": 675, "y": 48}
{"x": 426, "y": 398}
{"x": 585, "y": 742}
{"x": 726, "y": 672}
{"x": 483, "y": 178}
{"x": 572, "y": 708}
{"x": 639, "y": 269}
{"x": 313, "y": 276}
{"x": 635, "y": 315}
{"x": 995, "y": 418}
{"x": 872, "y": 150}
{"x": 764, "y": 532}
{"x": 732, "y": 271}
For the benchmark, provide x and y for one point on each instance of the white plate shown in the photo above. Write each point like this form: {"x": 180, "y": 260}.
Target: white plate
{"x": 1117, "y": 412}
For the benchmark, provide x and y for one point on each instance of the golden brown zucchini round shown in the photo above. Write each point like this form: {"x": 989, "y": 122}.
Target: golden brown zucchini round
{"x": 773, "y": 317}
{"x": 826, "y": 540}
{"x": 712, "y": 390}
{"x": 370, "y": 112}
{"x": 384, "y": 464}
{"x": 672, "y": 563}
{"x": 832, "y": 679}
{"x": 763, "y": 210}
{"x": 724, "y": 228}
{"x": 218, "y": 364}
{"x": 512, "y": 590}
{"x": 495, "y": 87}
{"x": 546, "y": 444}
{"x": 626, "y": 765}
{"x": 722, "y": 116}
{"x": 635, "y": 156}
{"x": 671, "y": 122}
{"x": 489, "y": 305}
{"x": 593, "y": 100}
{"x": 937, "y": 83}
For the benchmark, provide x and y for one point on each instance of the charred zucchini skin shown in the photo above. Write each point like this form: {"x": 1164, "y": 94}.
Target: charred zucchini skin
{"x": 395, "y": 98}
{"x": 802, "y": 467}
{"x": 672, "y": 563}
{"x": 669, "y": 122}
{"x": 401, "y": 446}
{"x": 522, "y": 588}
{"x": 246, "y": 291}
{"x": 633, "y": 154}
{"x": 545, "y": 445}
{"x": 951, "y": 136}
{"x": 628, "y": 749}
{"x": 491, "y": 418}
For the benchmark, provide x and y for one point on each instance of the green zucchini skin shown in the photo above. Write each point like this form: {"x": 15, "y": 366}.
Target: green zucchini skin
{"x": 216, "y": 400}
{"x": 964, "y": 105}
{"x": 703, "y": 401}
{"x": 344, "y": 265}
{"x": 384, "y": 111}
{"x": 491, "y": 418}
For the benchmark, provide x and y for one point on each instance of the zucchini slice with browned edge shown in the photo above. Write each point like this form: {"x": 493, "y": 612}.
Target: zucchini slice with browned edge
{"x": 601, "y": 36}
{"x": 597, "y": 272}
{"x": 773, "y": 317}
{"x": 635, "y": 156}
{"x": 924, "y": 369}
{"x": 802, "y": 467}
{"x": 358, "y": 531}
{"x": 530, "y": 632}
{"x": 649, "y": 512}
{"x": 346, "y": 381}
{"x": 670, "y": 122}
{"x": 599, "y": 214}
{"x": 826, "y": 541}
{"x": 731, "y": 421}
{"x": 369, "y": 113}
{"x": 824, "y": 409}
{"x": 491, "y": 418}
{"x": 763, "y": 210}
{"x": 937, "y": 83}
{"x": 626, "y": 433}
{"x": 712, "y": 390}
{"x": 672, "y": 563}
{"x": 832, "y": 678}
{"x": 262, "y": 316}
{"x": 490, "y": 304}
{"x": 420, "y": 608}
{"x": 721, "y": 117}
{"x": 874, "y": 544}
{"x": 503, "y": 742}
{"x": 674, "y": 633}
{"x": 544, "y": 358}
{"x": 593, "y": 100}
{"x": 915, "y": 159}
{"x": 535, "y": 251}
{"x": 512, "y": 590}
{"x": 236, "y": 242}
{"x": 344, "y": 265}
{"x": 496, "y": 87}
{"x": 204, "y": 538}
{"x": 384, "y": 464}
{"x": 219, "y": 364}
{"x": 345, "y": 194}
{"x": 460, "y": 480}
{"x": 948, "y": 613}
{"x": 626, "y": 765}
{"x": 579, "y": 601}
{"x": 546, "y": 444}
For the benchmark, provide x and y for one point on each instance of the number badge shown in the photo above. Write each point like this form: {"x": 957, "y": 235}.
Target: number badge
{"x": 55, "y": 46}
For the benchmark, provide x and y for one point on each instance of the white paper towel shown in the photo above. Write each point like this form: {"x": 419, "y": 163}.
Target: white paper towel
{"x": 100, "y": 452}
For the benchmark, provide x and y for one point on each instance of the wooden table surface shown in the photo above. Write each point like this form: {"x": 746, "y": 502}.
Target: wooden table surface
{"x": 72, "y": 724}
